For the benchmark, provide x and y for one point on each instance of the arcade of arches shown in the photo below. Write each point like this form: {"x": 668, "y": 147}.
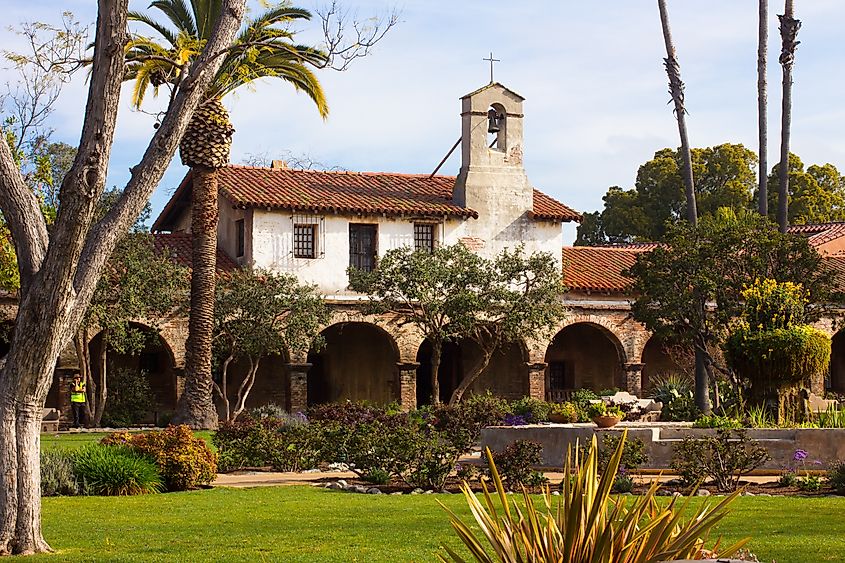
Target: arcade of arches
{"x": 362, "y": 360}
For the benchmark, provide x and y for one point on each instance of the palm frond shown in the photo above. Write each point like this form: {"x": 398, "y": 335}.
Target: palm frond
{"x": 178, "y": 13}
{"x": 162, "y": 30}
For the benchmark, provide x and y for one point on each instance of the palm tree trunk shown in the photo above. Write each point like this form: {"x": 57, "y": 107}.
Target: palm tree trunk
{"x": 676, "y": 88}
{"x": 762, "y": 103}
{"x": 789, "y": 27}
{"x": 196, "y": 407}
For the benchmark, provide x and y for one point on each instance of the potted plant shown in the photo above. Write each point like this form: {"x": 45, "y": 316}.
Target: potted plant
{"x": 604, "y": 416}
{"x": 563, "y": 413}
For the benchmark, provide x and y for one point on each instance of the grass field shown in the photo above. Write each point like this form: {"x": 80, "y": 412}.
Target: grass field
{"x": 304, "y": 524}
{"x": 73, "y": 440}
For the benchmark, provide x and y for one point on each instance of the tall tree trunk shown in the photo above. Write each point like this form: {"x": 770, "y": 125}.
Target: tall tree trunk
{"x": 436, "y": 354}
{"x": 222, "y": 390}
{"x": 789, "y": 27}
{"x": 29, "y": 538}
{"x": 196, "y": 407}
{"x": 762, "y": 103}
{"x": 470, "y": 377}
{"x": 246, "y": 386}
{"x": 702, "y": 378}
{"x": 676, "y": 88}
{"x": 8, "y": 477}
{"x": 80, "y": 344}
{"x": 102, "y": 391}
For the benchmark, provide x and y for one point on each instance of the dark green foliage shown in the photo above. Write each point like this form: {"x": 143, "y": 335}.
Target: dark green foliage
{"x": 57, "y": 476}
{"x": 515, "y": 463}
{"x": 633, "y": 452}
{"x": 836, "y": 476}
{"x": 184, "y": 461}
{"x": 581, "y": 399}
{"x": 462, "y": 423}
{"x": 130, "y": 398}
{"x": 116, "y": 471}
{"x": 286, "y": 444}
{"x": 567, "y": 412}
{"x": 533, "y": 410}
{"x": 377, "y": 477}
{"x": 681, "y": 409}
{"x": 809, "y": 483}
{"x": 725, "y": 458}
{"x": 623, "y": 483}
{"x": 716, "y": 421}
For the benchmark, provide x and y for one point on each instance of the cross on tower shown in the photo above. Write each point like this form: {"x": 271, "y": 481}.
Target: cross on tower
{"x": 492, "y": 60}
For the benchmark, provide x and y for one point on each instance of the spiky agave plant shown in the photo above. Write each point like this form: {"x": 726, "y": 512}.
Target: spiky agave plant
{"x": 587, "y": 524}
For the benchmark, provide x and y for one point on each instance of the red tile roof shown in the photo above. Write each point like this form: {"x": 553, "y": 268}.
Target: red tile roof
{"x": 179, "y": 246}
{"x": 598, "y": 268}
{"x": 346, "y": 192}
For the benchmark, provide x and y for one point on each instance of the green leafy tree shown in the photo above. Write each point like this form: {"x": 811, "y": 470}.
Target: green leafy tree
{"x": 816, "y": 195}
{"x": 691, "y": 287}
{"x": 453, "y": 294}
{"x": 141, "y": 284}
{"x": 257, "y": 314}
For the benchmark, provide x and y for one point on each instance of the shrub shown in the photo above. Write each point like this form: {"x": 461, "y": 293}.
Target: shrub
{"x": 130, "y": 398}
{"x": 377, "y": 477}
{"x": 515, "y": 463}
{"x": 809, "y": 483}
{"x": 116, "y": 471}
{"x": 681, "y": 409}
{"x": 185, "y": 461}
{"x": 57, "y": 476}
{"x": 836, "y": 476}
{"x": 623, "y": 483}
{"x": 633, "y": 452}
{"x": 462, "y": 423}
{"x": 270, "y": 410}
{"x": 581, "y": 399}
{"x": 586, "y": 524}
{"x": 533, "y": 410}
{"x": 725, "y": 458}
{"x": 286, "y": 444}
{"x": 349, "y": 412}
{"x": 669, "y": 387}
{"x": 596, "y": 409}
{"x": 788, "y": 479}
{"x": 716, "y": 421}
{"x": 567, "y": 411}
{"x": 466, "y": 471}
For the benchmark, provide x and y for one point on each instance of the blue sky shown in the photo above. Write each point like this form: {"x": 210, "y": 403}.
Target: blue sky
{"x": 591, "y": 73}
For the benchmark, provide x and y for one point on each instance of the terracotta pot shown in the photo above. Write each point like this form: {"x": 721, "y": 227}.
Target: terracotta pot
{"x": 606, "y": 421}
{"x": 559, "y": 418}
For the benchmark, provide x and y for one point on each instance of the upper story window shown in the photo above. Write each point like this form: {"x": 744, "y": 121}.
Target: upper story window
{"x": 424, "y": 236}
{"x": 240, "y": 237}
{"x": 362, "y": 246}
{"x": 309, "y": 236}
{"x": 305, "y": 241}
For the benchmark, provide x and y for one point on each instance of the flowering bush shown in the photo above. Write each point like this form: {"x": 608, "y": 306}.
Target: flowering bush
{"x": 286, "y": 444}
{"x": 184, "y": 461}
{"x": 515, "y": 463}
{"x": 725, "y": 458}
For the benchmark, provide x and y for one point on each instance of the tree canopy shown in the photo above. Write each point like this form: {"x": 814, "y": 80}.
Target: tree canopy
{"x": 725, "y": 176}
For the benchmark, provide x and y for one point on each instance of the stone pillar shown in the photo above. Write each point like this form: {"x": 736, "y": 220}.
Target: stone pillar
{"x": 408, "y": 384}
{"x": 537, "y": 380}
{"x": 298, "y": 387}
{"x": 634, "y": 378}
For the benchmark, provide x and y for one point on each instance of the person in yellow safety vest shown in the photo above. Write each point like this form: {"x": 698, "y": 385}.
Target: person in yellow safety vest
{"x": 77, "y": 400}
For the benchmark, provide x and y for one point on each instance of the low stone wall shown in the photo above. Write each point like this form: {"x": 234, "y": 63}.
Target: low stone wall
{"x": 823, "y": 444}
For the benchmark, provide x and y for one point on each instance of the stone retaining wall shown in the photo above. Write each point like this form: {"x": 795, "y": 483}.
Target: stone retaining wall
{"x": 823, "y": 444}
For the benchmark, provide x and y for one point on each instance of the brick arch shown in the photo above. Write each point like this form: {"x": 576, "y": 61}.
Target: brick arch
{"x": 608, "y": 328}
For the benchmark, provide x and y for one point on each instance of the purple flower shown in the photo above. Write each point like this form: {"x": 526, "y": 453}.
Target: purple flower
{"x": 515, "y": 420}
{"x": 799, "y": 455}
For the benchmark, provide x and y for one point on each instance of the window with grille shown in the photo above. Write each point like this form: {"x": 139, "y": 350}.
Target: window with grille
{"x": 305, "y": 241}
{"x": 362, "y": 246}
{"x": 424, "y": 236}
{"x": 561, "y": 376}
{"x": 240, "y": 237}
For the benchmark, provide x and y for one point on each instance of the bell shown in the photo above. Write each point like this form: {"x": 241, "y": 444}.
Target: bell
{"x": 493, "y": 121}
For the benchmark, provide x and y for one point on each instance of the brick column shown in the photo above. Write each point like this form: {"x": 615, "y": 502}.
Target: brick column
{"x": 298, "y": 387}
{"x": 537, "y": 380}
{"x": 408, "y": 384}
{"x": 634, "y": 378}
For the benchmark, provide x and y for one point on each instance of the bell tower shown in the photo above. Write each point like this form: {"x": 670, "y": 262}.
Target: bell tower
{"x": 492, "y": 180}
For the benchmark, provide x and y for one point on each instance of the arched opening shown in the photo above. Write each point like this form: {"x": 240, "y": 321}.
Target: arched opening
{"x": 270, "y": 385}
{"x": 126, "y": 374}
{"x": 661, "y": 358}
{"x": 837, "y": 362}
{"x": 497, "y": 128}
{"x": 357, "y": 363}
{"x": 583, "y": 356}
{"x": 505, "y": 376}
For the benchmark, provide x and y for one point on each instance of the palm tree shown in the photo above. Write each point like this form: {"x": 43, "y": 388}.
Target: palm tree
{"x": 763, "y": 129}
{"x": 263, "y": 49}
{"x": 676, "y": 88}
{"x": 789, "y": 27}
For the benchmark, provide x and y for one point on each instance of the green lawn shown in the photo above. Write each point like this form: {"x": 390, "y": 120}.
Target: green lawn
{"x": 307, "y": 524}
{"x": 73, "y": 440}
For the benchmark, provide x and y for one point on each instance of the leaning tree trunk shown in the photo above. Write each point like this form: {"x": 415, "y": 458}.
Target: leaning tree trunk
{"x": 762, "y": 102}
{"x": 789, "y": 27}
{"x": 196, "y": 405}
{"x": 469, "y": 378}
{"x": 436, "y": 355}
{"x": 205, "y": 147}
{"x": 676, "y": 89}
{"x": 102, "y": 387}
